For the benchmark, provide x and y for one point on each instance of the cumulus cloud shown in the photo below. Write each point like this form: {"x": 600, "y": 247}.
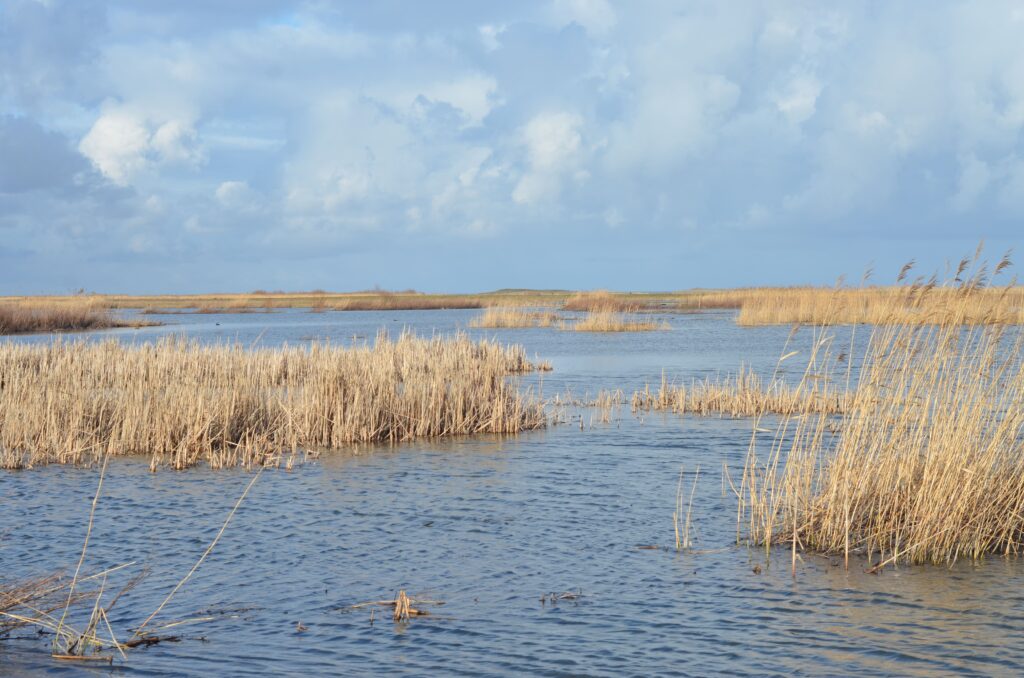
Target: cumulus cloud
{"x": 296, "y": 129}
{"x": 123, "y": 144}
{"x": 236, "y": 195}
{"x": 553, "y": 143}
{"x": 596, "y": 16}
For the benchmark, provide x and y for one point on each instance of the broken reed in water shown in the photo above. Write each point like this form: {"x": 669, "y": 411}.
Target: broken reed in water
{"x": 742, "y": 395}
{"x": 22, "y": 601}
{"x": 926, "y": 464}
{"x": 46, "y": 316}
{"x": 184, "y": 403}
{"x": 610, "y": 321}
{"x": 511, "y": 317}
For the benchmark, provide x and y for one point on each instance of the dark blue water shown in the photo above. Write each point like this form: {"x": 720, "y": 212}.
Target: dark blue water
{"x": 489, "y": 526}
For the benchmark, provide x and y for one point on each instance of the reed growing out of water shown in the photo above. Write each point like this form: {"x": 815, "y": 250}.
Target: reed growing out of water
{"x": 920, "y": 304}
{"x": 742, "y": 395}
{"x": 600, "y": 301}
{"x": 403, "y": 302}
{"x": 511, "y": 317}
{"x": 610, "y": 321}
{"x": 184, "y": 403}
{"x": 75, "y": 315}
{"x": 926, "y": 464}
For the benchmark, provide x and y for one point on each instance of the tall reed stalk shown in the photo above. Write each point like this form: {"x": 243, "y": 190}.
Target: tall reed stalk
{"x": 926, "y": 462}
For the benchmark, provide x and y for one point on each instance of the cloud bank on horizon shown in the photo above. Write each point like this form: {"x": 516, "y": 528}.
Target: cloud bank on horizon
{"x": 459, "y": 145}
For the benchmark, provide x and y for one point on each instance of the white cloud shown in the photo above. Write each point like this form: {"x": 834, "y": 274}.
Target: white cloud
{"x": 117, "y": 145}
{"x": 597, "y": 16}
{"x": 235, "y": 195}
{"x": 177, "y": 141}
{"x": 797, "y": 101}
{"x": 552, "y": 139}
{"x": 553, "y": 142}
{"x": 569, "y": 116}
{"x": 123, "y": 144}
{"x": 473, "y": 95}
{"x": 490, "y": 36}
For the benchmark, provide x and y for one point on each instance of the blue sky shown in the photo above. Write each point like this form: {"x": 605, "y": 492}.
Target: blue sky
{"x": 463, "y": 146}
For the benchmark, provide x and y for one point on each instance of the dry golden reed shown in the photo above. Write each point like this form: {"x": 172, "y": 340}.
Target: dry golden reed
{"x": 48, "y": 316}
{"x": 610, "y": 321}
{"x": 183, "y": 403}
{"x": 601, "y": 301}
{"x": 882, "y": 305}
{"x": 513, "y": 318}
{"x": 742, "y": 395}
{"x": 926, "y": 463}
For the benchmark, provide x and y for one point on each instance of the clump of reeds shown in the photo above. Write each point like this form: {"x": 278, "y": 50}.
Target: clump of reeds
{"x": 28, "y": 317}
{"x": 182, "y": 402}
{"x": 512, "y": 318}
{"x": 600, "y": 301}
{"x": 926, "y": 464}
{"x": 921, "y": 304}
{"x": 401, "y": 302}
{"x": 744, "y": 394}
{"x": 702, "y": 300}
{"x": 610, "y": 321}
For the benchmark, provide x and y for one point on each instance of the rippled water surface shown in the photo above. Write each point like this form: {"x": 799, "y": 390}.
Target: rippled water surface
{"x": 489, "y": 526}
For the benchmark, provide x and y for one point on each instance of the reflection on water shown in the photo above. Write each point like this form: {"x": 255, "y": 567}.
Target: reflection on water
{"x": 490, "y": 525}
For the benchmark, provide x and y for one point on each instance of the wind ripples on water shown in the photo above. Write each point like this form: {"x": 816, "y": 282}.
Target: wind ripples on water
{"x": 491, "y": 526}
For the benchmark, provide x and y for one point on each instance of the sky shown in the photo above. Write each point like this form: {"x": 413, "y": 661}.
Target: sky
{"x": 458, "y": 145}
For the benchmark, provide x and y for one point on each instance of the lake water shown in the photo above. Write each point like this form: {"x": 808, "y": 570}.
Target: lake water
{"x": 490, "y": 526}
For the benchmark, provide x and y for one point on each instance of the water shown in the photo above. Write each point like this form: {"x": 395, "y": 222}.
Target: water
{"x": 489, "y": 526}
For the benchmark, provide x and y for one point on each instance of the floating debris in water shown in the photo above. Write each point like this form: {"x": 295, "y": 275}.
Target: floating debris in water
{"x": 402, "y": 606}
{"x": 555, "y": 598}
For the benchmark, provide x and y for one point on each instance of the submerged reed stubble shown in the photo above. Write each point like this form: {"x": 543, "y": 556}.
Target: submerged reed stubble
{"x": 184, "y": 403}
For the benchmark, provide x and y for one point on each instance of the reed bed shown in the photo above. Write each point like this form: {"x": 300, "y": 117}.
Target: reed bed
{"x": 402, "y": 302}
{"x": 259, "y": 300}
{"x": 610, "y": 321}
{"x": 39, "y": 317}
{"x": 926, "y": 464}
{"x": 921, "y": 304}
{"x": 183, "y": 403}
{"x": 600, "y": 301}
{"x": 742, "y": 395}
{"x": 514, "y": 318}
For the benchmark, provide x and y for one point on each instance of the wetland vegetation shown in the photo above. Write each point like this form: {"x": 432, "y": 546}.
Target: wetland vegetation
{"x": 888, "y": 433}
